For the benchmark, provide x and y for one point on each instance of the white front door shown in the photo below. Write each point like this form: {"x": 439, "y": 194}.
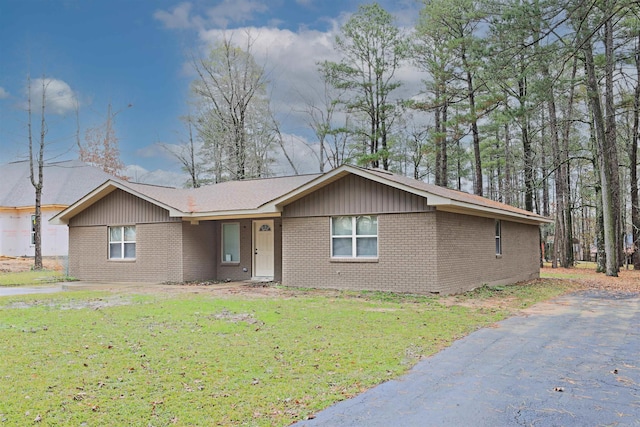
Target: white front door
{"x": 263, "y": 248}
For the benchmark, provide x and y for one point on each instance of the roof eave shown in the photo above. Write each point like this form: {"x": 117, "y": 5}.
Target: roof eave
{"x": 468, "y": 208}
{"x": 99, "y": 193}
{"x": 440, "y": 202}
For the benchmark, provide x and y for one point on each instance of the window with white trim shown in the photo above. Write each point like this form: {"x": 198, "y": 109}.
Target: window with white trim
{"x": 354, "y": 236}
{"x": 33, "y": 229}
{"x": 231, "y": 242}
{"x": 122, "y": 242}
{"x": 498, "y": 237}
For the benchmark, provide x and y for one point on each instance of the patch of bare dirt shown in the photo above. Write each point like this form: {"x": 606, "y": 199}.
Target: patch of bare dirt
{"x": 18, "y": 264}
{"x": 575, "y": 279}
{"x": 627, "y": 281}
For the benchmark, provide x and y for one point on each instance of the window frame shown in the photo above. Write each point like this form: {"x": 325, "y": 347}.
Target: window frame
{"x": 498, "y": 237}
{"x": 354, "y": 236}
{"x": 122, "y": 243}
{"x": 223, "y": 240}
{"x": 33, "y": 230}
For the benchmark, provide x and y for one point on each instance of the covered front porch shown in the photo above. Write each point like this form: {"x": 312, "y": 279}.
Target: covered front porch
{"x": 239, "y": 249}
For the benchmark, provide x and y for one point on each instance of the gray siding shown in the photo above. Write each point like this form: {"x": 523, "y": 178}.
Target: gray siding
{"x": 121, "y": 207}
{"x": 353, "y": 195}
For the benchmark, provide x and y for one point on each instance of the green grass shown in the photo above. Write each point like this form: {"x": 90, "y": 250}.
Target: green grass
{"x": 89, "y": 358}
{"x": 31, "y": 278}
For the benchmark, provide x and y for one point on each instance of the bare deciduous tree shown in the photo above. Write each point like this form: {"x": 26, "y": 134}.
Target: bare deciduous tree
{"x": 101, "y": 147}
{"x": 233, "y": 118}
{"x": 36, "y": 166}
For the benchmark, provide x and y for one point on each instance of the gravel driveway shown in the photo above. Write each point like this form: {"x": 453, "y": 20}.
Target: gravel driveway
{"x": 572, "y": 361}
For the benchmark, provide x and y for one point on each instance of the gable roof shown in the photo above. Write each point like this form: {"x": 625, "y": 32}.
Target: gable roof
{"x": 63, "y": 183}
{"x": 268, "y": 196}
{"x": 444, "y": 199}
{"x": 226, "y": 199}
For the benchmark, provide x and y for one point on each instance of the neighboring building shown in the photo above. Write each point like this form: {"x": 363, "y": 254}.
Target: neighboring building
{"x": 64, "y": 183}
{"x": 350, "y": 228}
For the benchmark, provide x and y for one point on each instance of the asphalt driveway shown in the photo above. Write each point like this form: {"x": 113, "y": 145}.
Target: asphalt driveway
{"x": 573, "y": 361}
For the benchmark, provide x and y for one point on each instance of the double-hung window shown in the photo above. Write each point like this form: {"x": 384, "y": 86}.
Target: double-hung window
{"x": 354, "y": 236}
{"x": 498, "y": 237}
{"x": 122, "y": 242}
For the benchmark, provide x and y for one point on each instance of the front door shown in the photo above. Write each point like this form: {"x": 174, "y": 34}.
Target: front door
{"x": 263, "y": 249}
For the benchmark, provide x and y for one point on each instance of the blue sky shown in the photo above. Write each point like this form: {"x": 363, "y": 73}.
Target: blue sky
{"x": 133, "y": 54}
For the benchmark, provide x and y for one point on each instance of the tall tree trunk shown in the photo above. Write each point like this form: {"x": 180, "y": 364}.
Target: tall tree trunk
{"x": 610, "y": 133}
{"x": 527, "y": 152}
{"x": 604, "y": 154}
{"x": 633, "y": 163}
{"x": 560, "y": 235}
{"x": 444, "y": 162}
{"x": 477, "y": 188}
{"x": 438, "y": 135}
{"x": 507, "y": 166}
{"x": 477, "y": 182}
{"x": 567, "y": 215}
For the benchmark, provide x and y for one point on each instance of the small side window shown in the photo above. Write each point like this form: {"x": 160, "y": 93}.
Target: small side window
{"x": 498, "y": 237}
{"x": 231, "y": 242}
{"x": 33, "y": 229}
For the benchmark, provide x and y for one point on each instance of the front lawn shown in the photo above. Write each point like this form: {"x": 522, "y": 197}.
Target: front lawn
{"x": 23, "y": 278}
{"x": 89, "y": 358}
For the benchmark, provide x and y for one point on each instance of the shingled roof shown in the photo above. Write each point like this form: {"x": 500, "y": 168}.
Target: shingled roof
{"x": 268, "y": 196}
{"x": 225, "y": 196}
{"x": 64, "y": 183}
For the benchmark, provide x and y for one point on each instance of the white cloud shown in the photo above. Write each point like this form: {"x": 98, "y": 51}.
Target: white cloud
{"x": 235, "y": 11}
{"x": 178, "y": 18}
{"x": 222, "y": 15}
{"x": 291, "y": 60}
{"x": 303, "y": 155}
{"x": 58, "y": 96}
{"x": 3, "y": 93}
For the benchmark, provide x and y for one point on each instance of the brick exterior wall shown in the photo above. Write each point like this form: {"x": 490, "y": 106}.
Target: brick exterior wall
{"x": 158, "y": 254}
{"x": 406, "y": 244}
{"x": 467, "y": 258}
{"x": 198, "y": 251}
{"x": 433, "y": 252}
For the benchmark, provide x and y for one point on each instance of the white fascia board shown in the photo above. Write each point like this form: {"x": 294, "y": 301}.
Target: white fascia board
{"x": 471, "y": 209}
{"x": 99, "y": 193}
{"x": 225, "y": 215}
{"x": 264, "y": 211}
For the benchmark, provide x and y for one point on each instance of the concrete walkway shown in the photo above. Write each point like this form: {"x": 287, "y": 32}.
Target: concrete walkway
{"x": 24, "y": 290}
{"x": 574, "y": 361}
